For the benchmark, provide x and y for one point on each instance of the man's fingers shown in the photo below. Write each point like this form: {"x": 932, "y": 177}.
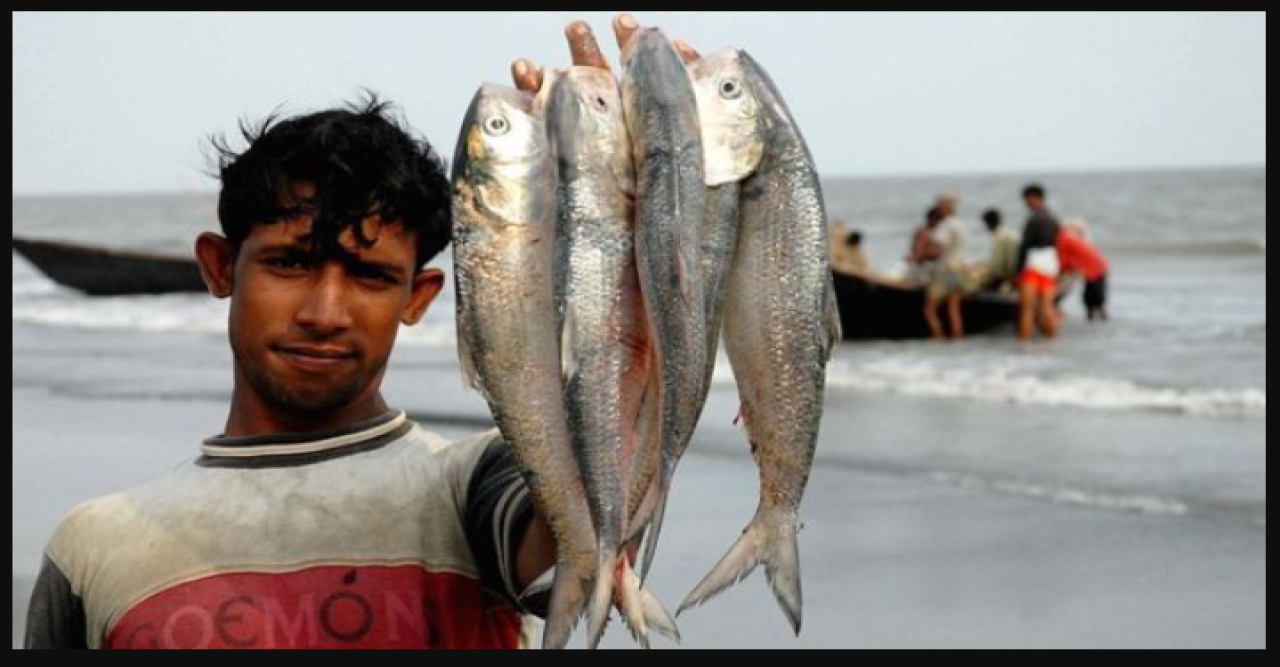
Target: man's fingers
{"x": 538, "y": 76}
{"x": 687, "y": 53}
{"x": 526, "y": 75}
{"x": 624, "y": 26}
{"x": 583, "y": 47}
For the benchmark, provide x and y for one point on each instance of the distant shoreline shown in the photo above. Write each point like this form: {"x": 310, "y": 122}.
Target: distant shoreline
{"x": 1030, "y": 173}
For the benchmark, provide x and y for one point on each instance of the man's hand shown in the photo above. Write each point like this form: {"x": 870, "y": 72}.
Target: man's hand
{"x": 584, "y": 51}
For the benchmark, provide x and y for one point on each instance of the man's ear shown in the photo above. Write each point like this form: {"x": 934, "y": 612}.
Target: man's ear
{"x": 217, "y": 259}
{"x": 427, "y": 285}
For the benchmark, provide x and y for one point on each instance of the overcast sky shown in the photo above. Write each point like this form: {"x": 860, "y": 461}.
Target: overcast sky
{"x": 123, "y": 102}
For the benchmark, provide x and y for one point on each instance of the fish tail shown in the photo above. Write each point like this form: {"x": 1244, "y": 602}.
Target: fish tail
{"x": 602, "y": 596}
{"x": 655, "y": 615}
{"x": 568, "y": 599}
{"x": 632, "y": 605}
{"x": 766, "y": 541}
{"x": 642, "y": 610}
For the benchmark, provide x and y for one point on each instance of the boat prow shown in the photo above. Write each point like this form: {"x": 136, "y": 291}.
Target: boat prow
{"x": 105, "y": 272}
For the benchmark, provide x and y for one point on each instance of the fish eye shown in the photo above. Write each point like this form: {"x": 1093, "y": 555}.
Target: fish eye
{"x": 496, "y": 126}
{"x": 730, "y": 89}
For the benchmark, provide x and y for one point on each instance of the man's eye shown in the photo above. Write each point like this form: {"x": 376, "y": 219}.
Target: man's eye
{"x": 287, "y": 263}
{"x": 376, "y": 276}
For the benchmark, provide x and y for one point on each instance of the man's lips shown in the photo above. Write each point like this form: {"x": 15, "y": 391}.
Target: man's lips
{"x": 315, "y": 358}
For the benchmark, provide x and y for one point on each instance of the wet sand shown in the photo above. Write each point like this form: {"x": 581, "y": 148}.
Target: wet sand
{"x": 892, "y": 556}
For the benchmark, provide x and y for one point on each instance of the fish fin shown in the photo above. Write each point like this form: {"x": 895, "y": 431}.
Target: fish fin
{"x": 470, "y": 376}
{"x": 682, "y": 272}
{"x": 568, "y": 599}
{"x": 631, "y": 603}
{"x": 656, "y": 617}
{"x": 831, "y": 316}
{"x": 768, "y": 542}
{"x": 655, "y": 526}
{"x": 602, "y": 597}
{"x": 568, "y": 345}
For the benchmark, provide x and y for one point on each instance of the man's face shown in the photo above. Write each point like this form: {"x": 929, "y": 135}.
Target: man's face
{"x": 312, "y": 334}
{"x": 1034, "y": 202}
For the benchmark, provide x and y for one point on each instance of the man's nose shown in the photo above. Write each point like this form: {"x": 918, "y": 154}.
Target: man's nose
{"x": 326, "y": 308}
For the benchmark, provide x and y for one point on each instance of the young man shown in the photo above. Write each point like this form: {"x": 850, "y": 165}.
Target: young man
{"x": 1038, "y": 267}
{"x": 320, "y": 517}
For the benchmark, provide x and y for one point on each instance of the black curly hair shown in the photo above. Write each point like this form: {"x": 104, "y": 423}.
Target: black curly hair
{"x": 361, "y": 160}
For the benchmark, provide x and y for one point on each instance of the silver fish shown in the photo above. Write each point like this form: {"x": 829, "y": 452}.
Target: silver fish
{"x": 604, "y": 335}
{"x": 662, "y": 118}
{"x": 504, "y": 207}
{"x": 781, "y": 328}
{"x": 733, "y": 145}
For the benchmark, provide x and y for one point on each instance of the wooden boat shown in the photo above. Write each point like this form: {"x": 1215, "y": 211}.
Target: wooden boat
{"x": 105, "y": 272}
{"x": 874, "y": 308}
